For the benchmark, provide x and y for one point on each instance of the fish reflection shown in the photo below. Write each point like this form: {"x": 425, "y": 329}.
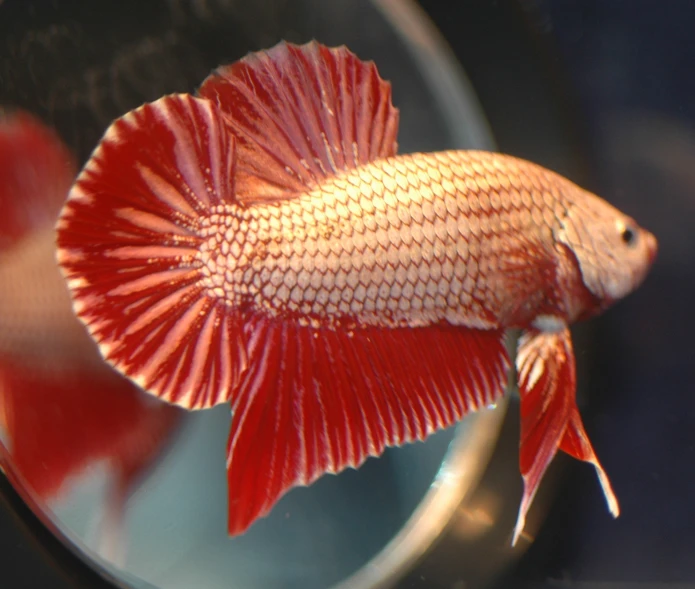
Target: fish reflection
{"x": 62, "y": 408}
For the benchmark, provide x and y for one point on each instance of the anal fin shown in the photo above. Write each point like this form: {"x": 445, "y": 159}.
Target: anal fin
{"x": 316, "y": 400}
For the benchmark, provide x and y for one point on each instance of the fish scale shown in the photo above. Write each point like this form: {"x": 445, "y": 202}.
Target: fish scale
{"x": 409, "y": 240}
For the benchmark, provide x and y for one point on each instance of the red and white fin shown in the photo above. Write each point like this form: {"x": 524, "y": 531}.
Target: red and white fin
{"x": 36, "y": 171}
{"x": 128, "y": 240}
{"x": 302, "y": 113}
{"x": 549, "y": 415}
{"x": 317, "y": 401}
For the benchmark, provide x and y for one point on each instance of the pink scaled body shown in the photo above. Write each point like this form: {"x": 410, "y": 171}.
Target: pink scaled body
{"x": 263, "y": 244}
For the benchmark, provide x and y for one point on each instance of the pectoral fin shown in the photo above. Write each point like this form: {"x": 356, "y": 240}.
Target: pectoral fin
{"x": 549, "y": 416}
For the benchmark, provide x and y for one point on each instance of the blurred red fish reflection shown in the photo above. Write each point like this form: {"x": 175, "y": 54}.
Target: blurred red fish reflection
{"x": 62, "y": 410}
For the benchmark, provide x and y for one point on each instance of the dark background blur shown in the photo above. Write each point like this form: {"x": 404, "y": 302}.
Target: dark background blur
{"x": 602, "y": 91}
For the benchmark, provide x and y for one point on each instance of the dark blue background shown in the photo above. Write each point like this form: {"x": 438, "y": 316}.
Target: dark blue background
{"x": 632, "y": 67}
{"x": 604, "y": 91}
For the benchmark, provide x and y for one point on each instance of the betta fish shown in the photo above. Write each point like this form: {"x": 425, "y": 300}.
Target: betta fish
{"x": 61, "y": 407}
{"x": 263, "y": 244}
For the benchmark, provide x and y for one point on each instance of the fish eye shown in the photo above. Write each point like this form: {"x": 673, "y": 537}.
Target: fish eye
{"x": 629, "y": 236}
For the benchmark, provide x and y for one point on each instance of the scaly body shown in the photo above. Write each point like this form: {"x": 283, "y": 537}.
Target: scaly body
{"x": 406, "y": 241}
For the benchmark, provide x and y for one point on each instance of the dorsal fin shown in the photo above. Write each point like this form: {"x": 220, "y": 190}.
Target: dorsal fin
{"x": 301, "y": 113}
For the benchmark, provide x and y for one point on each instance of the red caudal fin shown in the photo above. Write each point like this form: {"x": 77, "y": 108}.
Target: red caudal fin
{"x": 129, "y": 242}
{"x": 549, "y": 416}
{"x": 36, "y": 171}
{"x": 317, "y": 401}
{"x": 302, "y": 113}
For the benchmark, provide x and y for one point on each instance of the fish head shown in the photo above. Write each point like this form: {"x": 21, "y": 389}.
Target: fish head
{"x": 613, "y": 252}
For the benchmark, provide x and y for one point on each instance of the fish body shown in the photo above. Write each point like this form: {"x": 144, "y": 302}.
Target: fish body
{"x": 263, "y": 244}
{"x": 472, "y": 238}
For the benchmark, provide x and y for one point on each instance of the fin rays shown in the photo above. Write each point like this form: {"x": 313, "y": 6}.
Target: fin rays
{"x": 302, "y": 114}
{"x": 318, "y": 400}
{"x": 550, "y": 419}
{"x": 129, "y": 248}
